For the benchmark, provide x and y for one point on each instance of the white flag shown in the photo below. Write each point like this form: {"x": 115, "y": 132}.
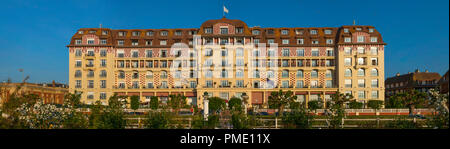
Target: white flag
{"x": 225, "y": 9}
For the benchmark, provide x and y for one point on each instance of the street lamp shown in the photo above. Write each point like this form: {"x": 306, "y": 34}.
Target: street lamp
{"x": 205, "y": 106}
{"x": 244, "y": 97}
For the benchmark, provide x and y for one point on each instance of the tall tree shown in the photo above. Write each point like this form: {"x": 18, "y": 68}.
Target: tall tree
{"x": 216, "y": 104}
{"x": 177, "y": 102}
{"x": 235, "y": 104}
{"x": 412, "y": 99}
{"x": 279, "y": 100}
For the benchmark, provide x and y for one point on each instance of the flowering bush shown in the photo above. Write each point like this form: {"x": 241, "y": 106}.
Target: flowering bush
{"x": 42, "y": 116}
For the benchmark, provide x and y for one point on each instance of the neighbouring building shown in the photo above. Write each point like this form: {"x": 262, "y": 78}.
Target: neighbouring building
{"x": 52, "y": 93}
{"x": 420, "y": 81}
{"x": 227, "y": 58}
{"x": 443, "y": 84}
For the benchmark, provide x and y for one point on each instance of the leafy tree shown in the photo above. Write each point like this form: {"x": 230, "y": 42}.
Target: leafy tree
{"x": 412, "y": 99}
{"x": 242, "y": 121}
{"x": 279, "y": 100}
{"x": 402, "y": 123}
{"x": 74, "y": 118}
{"x": 353, "y": 104}
{"x": 335, "y": 119}
{"x": 298, "y": 118}
{"x": 216, "y": 104}
{"x": 111, "y": 116}
{"x": 157, "y": 120}
{"x": 134, "y": 102}
{"x": 177, "y": 102}
{"x": 235, "y": 104}
{"x": 314, "y": 105}
{"x": 439, "y": 103}
{"x": 340, "y": 99}
{"x": 375, "y": 104}
{"x": 154, "y": 103}
{"x": 395, "y": 101}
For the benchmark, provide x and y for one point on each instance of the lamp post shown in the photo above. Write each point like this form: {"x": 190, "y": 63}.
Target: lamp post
{"x": 205, "y": 106}
{"x": 244, "y": 97}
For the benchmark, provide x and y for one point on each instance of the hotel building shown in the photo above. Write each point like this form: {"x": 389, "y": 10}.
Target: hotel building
{"x": 227, "y": 58}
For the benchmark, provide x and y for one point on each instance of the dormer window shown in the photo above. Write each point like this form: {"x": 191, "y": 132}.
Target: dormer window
{"x": 192, "y": 32}
{"x": 224, "y": 31}
{"x": 78, "y": 41}
{"x": 239, "y": 30}
{"x": 358, "y": 29}
{"x": 178, "y": 33}
{"x": 149, "y": 33}
{"x": 80, "y": 32}
{"x": 329, "y": 41}
{"x": 345, "y": 30}
{"x": 164, "y": 33}
{"x": 347, "y": 39}
{"x": 327, "y": 31}
{"x": 102, "y": 41}
{"x": 299, "y": 32}
{"x": 285, "y": 41}
{"x": 360, "y": 38}
{"x": 270, "y": 32}
{"x": 284, "y": 32}
{"x": 370, "y": 30}
{"x": 373, "y": 39}
{"x": 148, "y": 42}
{"x": 163, "y": 42}
{"x": 122, "y": 33}
{"x": 90, "y": 41}
{"x": 136, "y": 33}
{"x": 120, "y": 42}
{"x": 134, "y": 42}
{"x": 255, "y": 32}
{"x": 313, "y": 32}
{"x": 208, "y": 30}
{"x": 92, "y": 32}
{"x": 104, "y": 32}
{"x": 315, "y": 42}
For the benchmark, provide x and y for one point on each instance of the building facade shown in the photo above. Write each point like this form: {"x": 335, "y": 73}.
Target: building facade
{"x": 420, "y": 81}
{"x": 443, "y": 84}
{"x": 49, "y": 93}
{"x": 227, "y": 58}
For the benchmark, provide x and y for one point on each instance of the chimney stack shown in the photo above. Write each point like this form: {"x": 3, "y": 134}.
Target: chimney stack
{"x": 417, "y": 70}
{"x": 53, "y": 83}
{"x": 398, "y": 74}
{"x": 426, "y": 70}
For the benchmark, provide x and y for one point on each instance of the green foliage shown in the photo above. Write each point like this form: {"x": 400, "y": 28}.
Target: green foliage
{"x": 375, "y": 104}
{"x": 242, "y": 121}
{"x": 154, "y": 103}
{"x": 74, "y": 119}
{"x": 402, "y": 123}
{"x": 314, "y": 105}
{"x": 134, "y": 102}
{"x": 216, "y": 104}
{"x": 412, "y": 99}
{"x": 111, "y": 116}
{"x": 336, "y": 109}
{"x": 395, "y": 101}
{"x": 296, "y": 105}
{"x": 177, "y": 102}
{"x": 157, "y": 120}
{"x": 353, "y": 104}
{"x": 298, "y": 119}
{"x": 439, "y": 103}
{"x": 279, "y": 100}
{"x": 235, "y": 104}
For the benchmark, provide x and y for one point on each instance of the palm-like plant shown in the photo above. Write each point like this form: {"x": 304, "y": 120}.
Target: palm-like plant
{"x": 340, "y": 99}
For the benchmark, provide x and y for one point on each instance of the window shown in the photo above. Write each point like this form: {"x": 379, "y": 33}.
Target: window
{"x": 150, "y": 33}
{"x": 285, "y": 74}
{"x": 148, "y": 42}
{"x": 90, "y": 41}
{"x": 361, "y": 50}
{"x": 239, "y": 73}
{"x": 224, "y": 31}
{"x": 78, "y": 73}
{"x": 345, "y": 30}
{"x": 300, "y": 52}
{"x": 224, "y": 52}
{"x": 270, "y": 32}
{"x": 361, "y": 83}
{"x": 80, "y": 32}
{"x": 122, "y": 33}
{"x": 239, "y": 83}
{"x": 103, "y": 73}
{"x": 78, "y": 63}
{"x": 149, "y": 53}
{"x": 208, "y": 52}
{"x": 361, "y": 94}
{"x": 370, "y": 30}
{"x": 329, "y": 41}
{"x": 239, "y": 62}
{"x": 271, "y": 53}
{"x": 103, "y": 62}
{"x": 314, "y": 84}
{"x": 102, "y": 95}
{"x": 358, "y": 29}
{"x": 256, "y": 74}
{"x": 361, "y": 61}
{"x": 285, "y": 63}
{"x": 374, "y": 72}
{"x": 328, "y": 74}
{"x": 374, "y": 61}
{"x": 224, "y": 83}
{"x": 373, "y": 39}
{"x": 209, "y": 83}
{"x": 208, "y": 30}
{"x": 164, "y": 33}
{"x": 313, "y": 32}
{"x": 360, "y": 72}
{"x": 347, "y": 50}
{"x": 163, "y": 42}
{"x": 163, "y": 53}
{"x": 208, "y": 74}
{"x": 347, "y": 39}
{"x": 178, "y": 33}
{"x": 299, "y": 84}
{"x": 136, "y": 33}
{"x": 375, "y": 83}
{"x": 239, "y": 52}
{"x": 314, "y": 74}
{"x": 270, "y": 41}
{"x": 285, "y": 41}
{"x": 77, "y": 52}
{"x": 256, "y": 41}
{"x": 255, "y": 32}
{"x": 102, "y": 83}
{"x": 315, "y": 41}
{"x": 360, "y": 38}
{"x": 329, "y": 84}
{"x": 285, "y": 84}
{"x": 90, "y": 83}
{"x": 121, "y": 85}
{"x": 314, "y": 63}
{"x": 239, "y": 30}
{"x": 163, "y": 74}
{"x": 102, "y": 41}
{"x": 299, "y": 41}
{"x": 134, "y": 42}
{"x": 348, "y": 83}
{"x": 299, "y": 62}
{"x": 299, "y": 32}
{"x": 224, "y": 74}
{"x": 348, "y": 73}
{"x": 192, "y": 84}
{"x": 299, "y": 74}
{"x": 284, "y": 32}
{"x": 327, "y": 31}
{"x": 285, "y": 52}
{"x": 120, "y": 42}
{"x": 78, "y": 41}
{"x": 270, "y": 74}
{"x": 315, "y": 52}
{"x": 102, "y": 53}
{"x": 90, "y": 95}
{"x": 121, "y": 75}
{"x": 374, "y": 94}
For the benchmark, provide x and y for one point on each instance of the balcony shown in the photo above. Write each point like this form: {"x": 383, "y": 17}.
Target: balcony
{"x": 89, "y": 65}
{"x": 90, "y": 55}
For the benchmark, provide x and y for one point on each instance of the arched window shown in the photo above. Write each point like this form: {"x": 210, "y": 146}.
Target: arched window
{"x": 348, "y": 73}
{"x": 256, "y": 74}
{"x": 329, "y": 74}
{"x": 314, "y": 74}
{"x": 360, "y": 72}
{"x": 164, "y": 74}
{"x": 135, "y": 74}
{"x": 239, "y": 73}
{"x": 149, "y": 74}
{"x": 178, "y": 74}
{"x": 299, "y": 73}
{"x": 374, "y": 72}
{"x": 208, "y": 74}
{"x": 270, "y": 74}
{"x": 224, "y": 73}
{"x": 285, "y": 74}
{"x": 121, "y": 74}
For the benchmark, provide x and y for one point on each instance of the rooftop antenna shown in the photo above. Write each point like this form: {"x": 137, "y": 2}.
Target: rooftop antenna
{"x": 100, "y": 25}
{"x": 354, "y": 22}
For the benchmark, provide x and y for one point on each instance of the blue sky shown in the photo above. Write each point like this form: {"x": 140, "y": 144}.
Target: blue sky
{"x": 33, "y": 34}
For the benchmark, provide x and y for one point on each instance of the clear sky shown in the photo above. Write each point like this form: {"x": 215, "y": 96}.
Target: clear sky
{"x": 34, "y": 33}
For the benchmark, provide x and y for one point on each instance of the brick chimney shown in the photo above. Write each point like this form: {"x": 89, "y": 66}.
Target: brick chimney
{"x": 53, "y": 83}
{"x": 397, "y": 74}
